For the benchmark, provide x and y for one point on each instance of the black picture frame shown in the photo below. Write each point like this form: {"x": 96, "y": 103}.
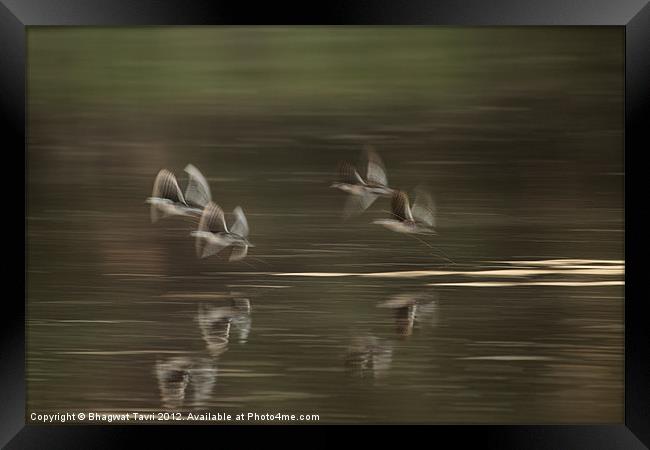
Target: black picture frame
{"x": 633, "y": 15}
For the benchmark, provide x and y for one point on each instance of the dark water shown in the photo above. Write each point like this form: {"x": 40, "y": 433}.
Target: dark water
{"x": 518, "y": 134}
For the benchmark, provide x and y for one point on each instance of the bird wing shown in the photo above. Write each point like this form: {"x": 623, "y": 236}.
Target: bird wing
{"x": 238, "y": 252}
{"x": 356, "y": 204}
{"x": 213, "y": 219}
{"x": 210, "y": 248}
{"x": 198, "y": 191}
{"x": 375, "y": 171}
{"x": 240, "y": 225}
{"x": 166, "y": 186}
{"x": 348, "y": 174}
{"x": 424, "y": 208}
{"x": 400, "y": 206}
{"x": 155, "y": 214}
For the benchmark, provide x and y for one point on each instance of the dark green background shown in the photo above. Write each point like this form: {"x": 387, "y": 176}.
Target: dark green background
{"x": 518, "y": 132}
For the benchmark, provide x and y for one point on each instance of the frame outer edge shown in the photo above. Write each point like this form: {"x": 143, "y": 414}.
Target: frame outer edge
{"x": 637, "y": 124}
{"x": 12, "y": 121}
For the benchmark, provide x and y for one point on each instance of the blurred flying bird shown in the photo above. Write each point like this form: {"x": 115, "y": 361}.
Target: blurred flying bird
{"x": 213, "y": 235}
{"x": 418, "y": 219}
{"x": 363, "y": 190}
{"x": 168, "y": 200}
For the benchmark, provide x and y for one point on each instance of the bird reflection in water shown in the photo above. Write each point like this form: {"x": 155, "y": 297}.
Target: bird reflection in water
{"x": 369, "y": 357}
{"x": 182, "y": 374}
{"x": 216, "y": 323}
{"x": 242, "y": 318}
{"x": 177, "y": 376}
{"x": 411, "y": 307}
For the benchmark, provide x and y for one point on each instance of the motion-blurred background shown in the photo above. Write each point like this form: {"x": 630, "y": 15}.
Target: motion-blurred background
{"x": 518, "y": 133}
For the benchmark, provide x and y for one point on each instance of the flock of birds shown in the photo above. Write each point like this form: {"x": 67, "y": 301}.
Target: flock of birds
{"x": 213, "y": 234}
{"x": 363, "y": 190}
{"x": 366, "y": 354}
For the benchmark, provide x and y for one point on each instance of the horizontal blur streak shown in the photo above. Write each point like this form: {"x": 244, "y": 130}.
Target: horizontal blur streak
{"x": 532, "y": 283}
{"x": 511, "y": 313}
{"x": 560, "y": 268}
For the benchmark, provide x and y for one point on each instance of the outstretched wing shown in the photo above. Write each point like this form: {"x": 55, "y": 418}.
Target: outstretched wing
{"x": 400, "y": 206}
{"x": 238, "y": 252}
{"x": 166, "y": 186}
{"x": 348, "y": 174}
{"x": 375, "y": 171}
{"x": 197, "y": 192}
{"x": 424, "y": 208}
{"x": 240, "y": 225}
{"x": 209, "y": 248}
{"x": 212, "y": 219}
{"x": 356, "y": 204}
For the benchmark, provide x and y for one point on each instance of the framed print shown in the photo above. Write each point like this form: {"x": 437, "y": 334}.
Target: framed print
{"x": 364, "y": 214}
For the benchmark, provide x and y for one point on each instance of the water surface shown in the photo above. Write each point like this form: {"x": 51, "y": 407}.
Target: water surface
{"x": 517, "y": 133}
